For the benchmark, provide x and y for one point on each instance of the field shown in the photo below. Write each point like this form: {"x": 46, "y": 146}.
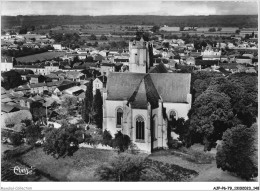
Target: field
{"x": 40, "y": 57}
{"x": 201, "y": 21}
{"x": 79, "y": 167}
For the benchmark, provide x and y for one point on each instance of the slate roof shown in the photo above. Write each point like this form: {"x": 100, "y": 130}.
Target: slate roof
{"x": 172, "y": 87}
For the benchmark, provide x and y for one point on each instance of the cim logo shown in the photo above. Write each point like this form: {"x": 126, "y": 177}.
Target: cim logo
{"x": 23, "y": 170}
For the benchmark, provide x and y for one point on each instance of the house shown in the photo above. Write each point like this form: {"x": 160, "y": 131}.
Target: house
{"x": 52, "y": 77}
{"x": 211, "y": 53}
{"x": 23, "y": 88}
{"x": 57, "y": 46}
{"x": 140, "y": 105}
{"x": 64, "y": 85}
{"x": 74, "y": 75}
{"x": 106, "y": 68}
{"x": 190, "y": 61}
{"x": 203, "y": 64}
{"x": 99, "y": 83}
{"x": 82, "y": 56}
{"x": 76, "y": 90}
{"x": 35, "y": 79}
{"x": 243, "y": 60}
{"x": 38, "y": 88}
{"x": 51, "y": 86}
{"x": 6, "y": 64}
{"x": 51, "y": 67}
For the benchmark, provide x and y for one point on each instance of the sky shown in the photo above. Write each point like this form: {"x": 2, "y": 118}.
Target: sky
{"x": 126, "y": 7}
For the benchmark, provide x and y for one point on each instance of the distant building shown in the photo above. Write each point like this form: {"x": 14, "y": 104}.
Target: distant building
{"x": 106, "y": 68}
{"x": 139, "y": 61}
{"x": 6, "y": 64}
{"x": 57, "y": 46}
{"x": 243, "y": 60}
{"x": 99, "y": 83}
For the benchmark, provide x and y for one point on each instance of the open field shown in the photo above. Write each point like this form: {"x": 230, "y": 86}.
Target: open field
{"x": 201, "y": 21}
{"x": 40, "y": 57}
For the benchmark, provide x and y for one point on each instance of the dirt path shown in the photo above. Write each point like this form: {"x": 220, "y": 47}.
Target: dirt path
{"x": 214, "y": 174}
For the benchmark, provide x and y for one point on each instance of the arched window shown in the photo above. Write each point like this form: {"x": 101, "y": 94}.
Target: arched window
{"x": 139, "y": 128}
{"x": 172, "y": 115}
{"x": 119, "y": 117}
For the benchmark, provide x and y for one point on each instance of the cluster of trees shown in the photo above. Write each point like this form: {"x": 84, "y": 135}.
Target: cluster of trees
{"x": 26, "y": 28}
{"x": 238, "y": 152}
{"x": 29, "y": 131}
{"x": 67, "y": 39}
{"x": 92, "y": 106}
{"x": 11, "y": 79}
{"x": 221, "y": 105}
{"x": 63, "y": 141}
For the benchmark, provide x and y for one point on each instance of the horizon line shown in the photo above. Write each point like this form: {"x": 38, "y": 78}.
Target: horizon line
{"x": 130, "y": 15}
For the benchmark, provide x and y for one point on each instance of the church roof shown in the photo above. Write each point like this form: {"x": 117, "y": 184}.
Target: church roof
{"x": 144, "y": 93}
{"x": 172, "y": 87}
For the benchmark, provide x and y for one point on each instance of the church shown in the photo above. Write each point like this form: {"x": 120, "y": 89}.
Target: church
{"x": 139, "y": 103}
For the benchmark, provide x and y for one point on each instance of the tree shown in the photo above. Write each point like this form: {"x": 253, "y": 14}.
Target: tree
{"x": 33, "y": 132}
{"x": 38, "y": 111}
{"x": 212, "y": 29}
{"x": 238, "y": 151}
{"x": 181, "y": 127}
{"x": 200, "y": 81}
{"x": 123, "y": 167}
{"x": 61, "y": 142}
{"x": 23, "y": 30}
{"x": 88, "y": 102}
{"x": 219, "y": 29}
{"x": 12, "y": 79}
{"x": 107, "y": 138}
{"x": 92, "y": 37}
{"x": 155, "y": 28}
{"x": 246, "y": 108}
{"x": 121, "y": 142}
{"x": 98, "y": 109}
{"x": 237, "y": 31}
{"x": 69, "y": 104}
{"x": 222, "y": 85}
{"x": 103, "y": 37}
{"x": 210, "y": 116}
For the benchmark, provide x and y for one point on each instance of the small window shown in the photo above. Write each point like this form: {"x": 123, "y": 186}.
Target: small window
{"x": 172, "y": 115}
{"x": 119, "y": 118}
{"x": 139, "y": 128}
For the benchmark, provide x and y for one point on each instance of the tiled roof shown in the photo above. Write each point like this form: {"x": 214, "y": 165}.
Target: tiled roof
{"x": 38, "y": 85}
{"x": 8, "y": 108}
{"x": 172, "y": 87}
{"x": 206, "y": 62}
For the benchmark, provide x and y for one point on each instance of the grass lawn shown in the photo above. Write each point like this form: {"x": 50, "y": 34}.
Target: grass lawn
{"x": 79, "y": 167}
